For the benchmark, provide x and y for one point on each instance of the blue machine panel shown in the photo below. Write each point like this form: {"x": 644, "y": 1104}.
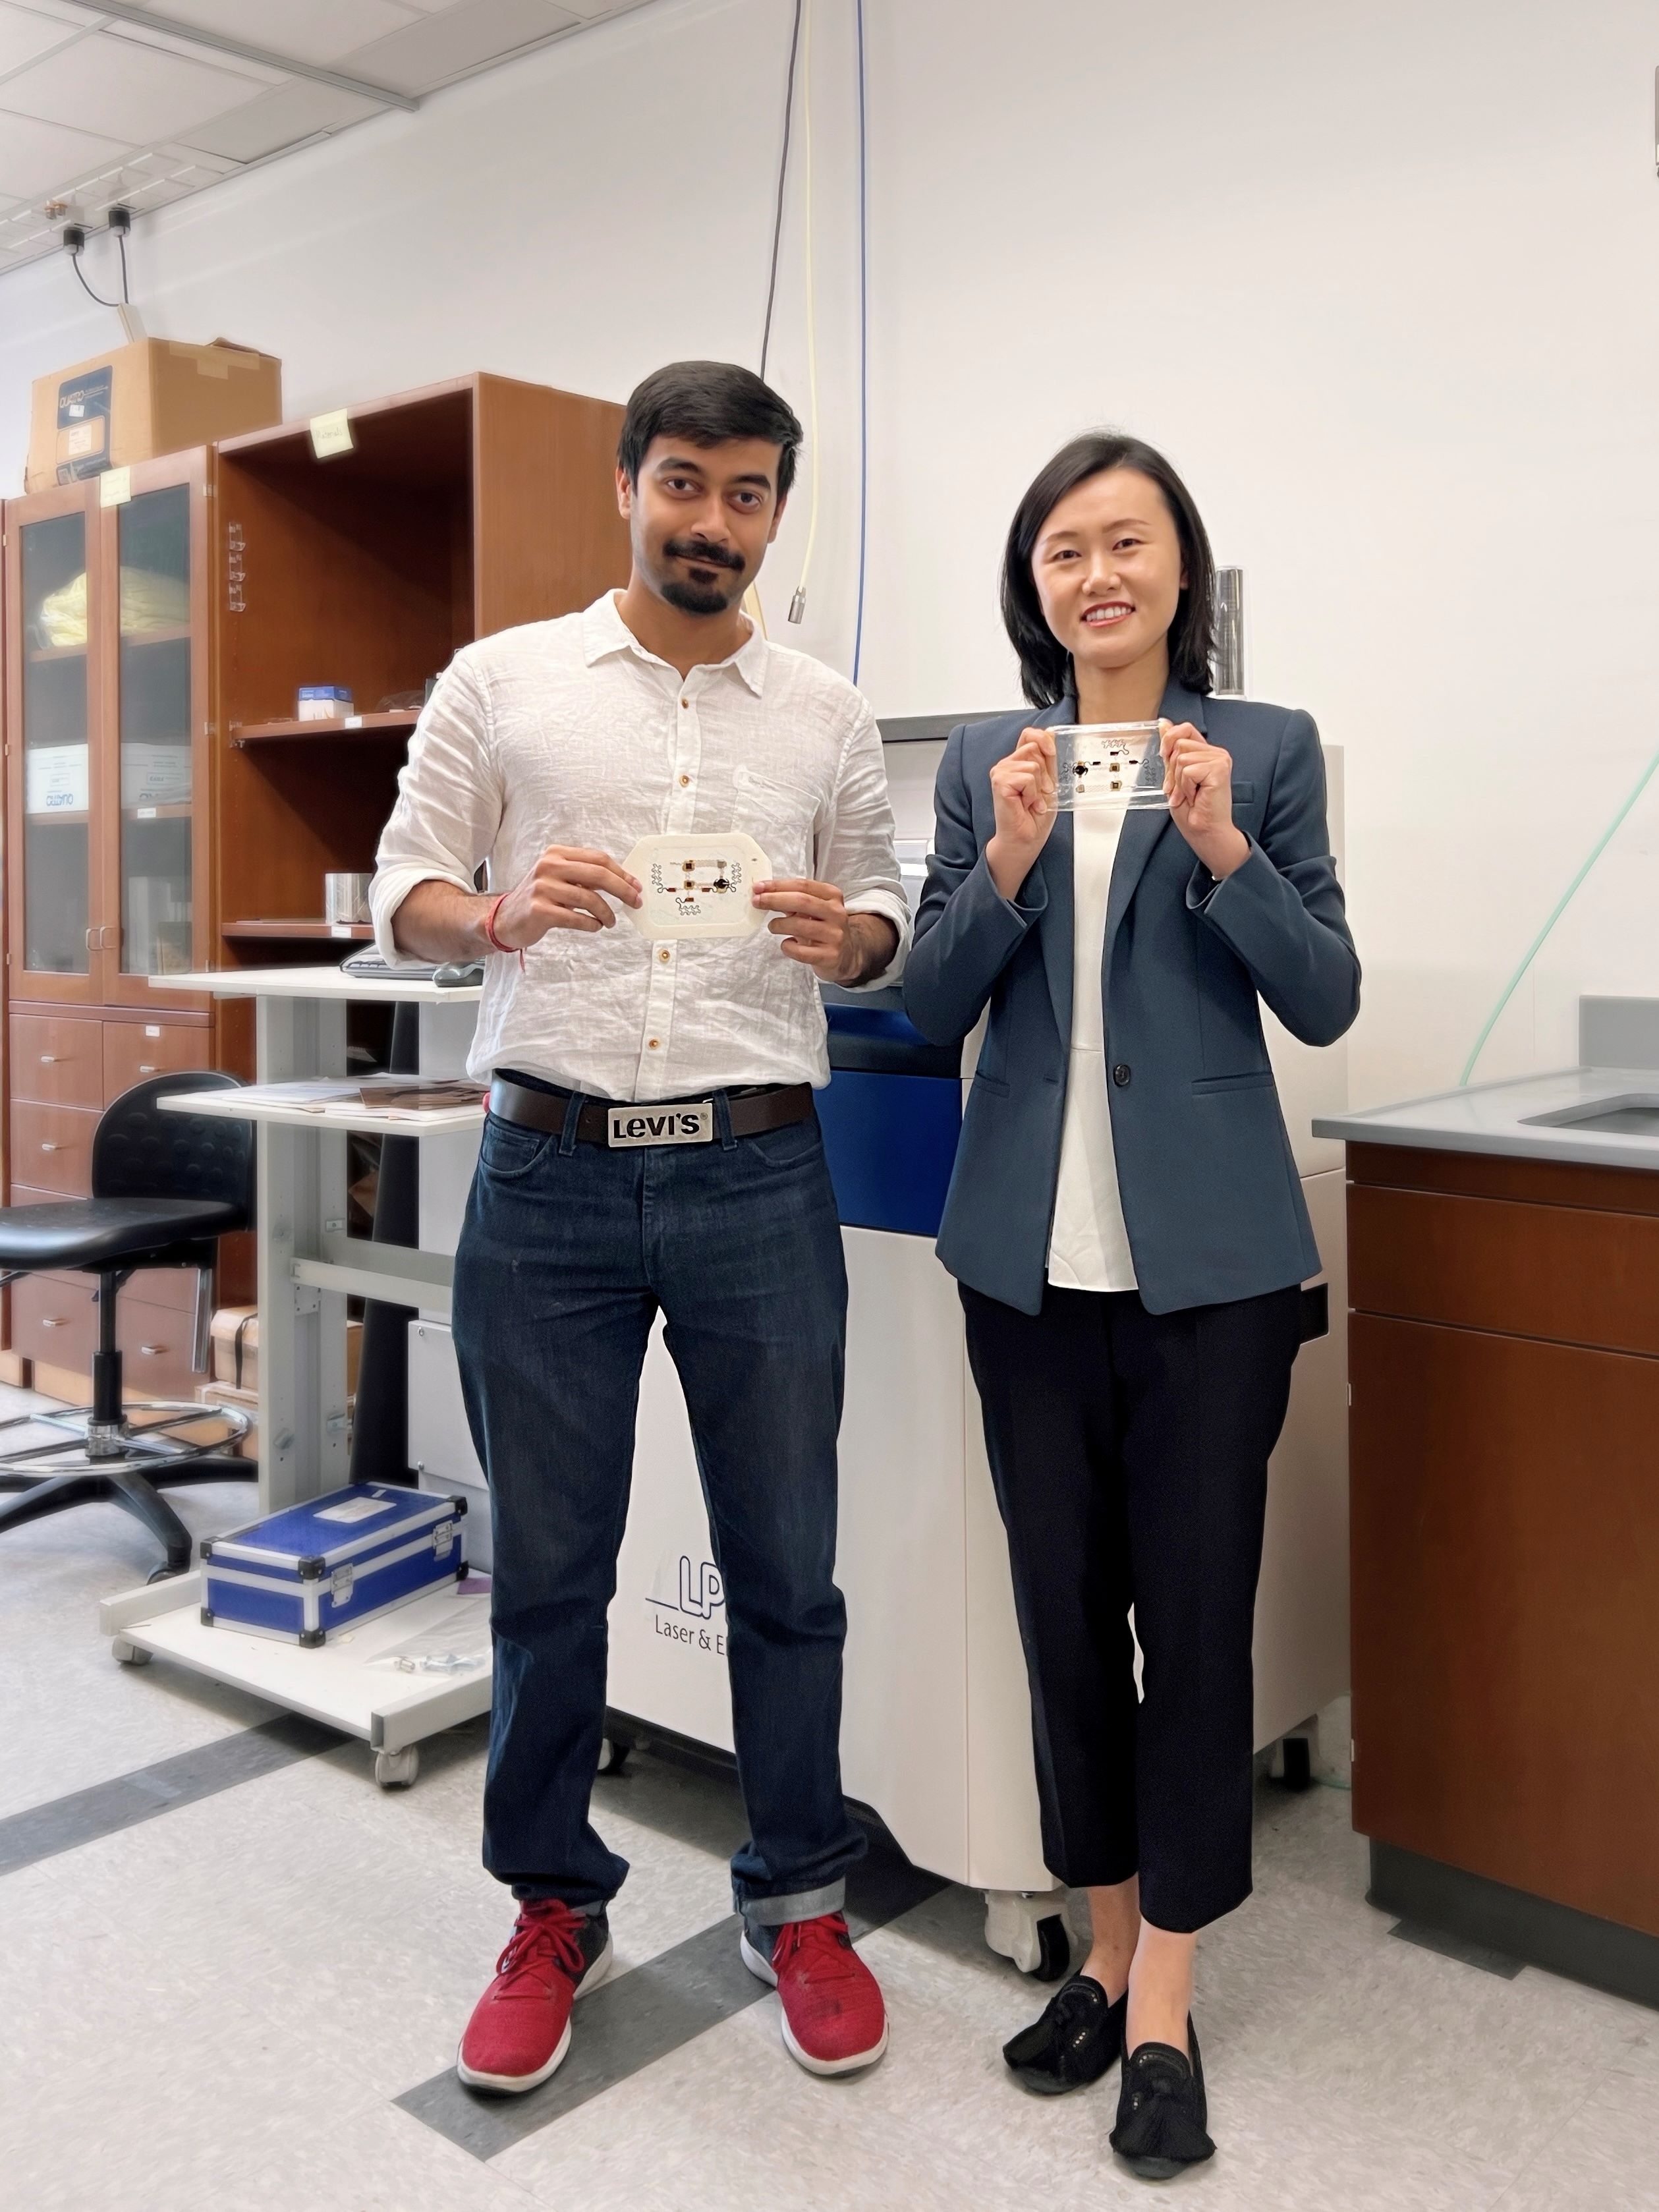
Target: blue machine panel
{"x": 891, "y": 1117}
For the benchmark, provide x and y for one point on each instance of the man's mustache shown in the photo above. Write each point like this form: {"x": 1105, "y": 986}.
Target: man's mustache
{"x": 705, "y": 556}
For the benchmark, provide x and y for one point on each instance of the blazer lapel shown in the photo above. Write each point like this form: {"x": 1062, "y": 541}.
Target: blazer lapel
{"x": 1058, "y": 927}
{"x": 1143, "y": 828}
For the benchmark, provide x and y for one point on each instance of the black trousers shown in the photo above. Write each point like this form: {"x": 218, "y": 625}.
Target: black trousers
{"x": 1129, "y": 1452}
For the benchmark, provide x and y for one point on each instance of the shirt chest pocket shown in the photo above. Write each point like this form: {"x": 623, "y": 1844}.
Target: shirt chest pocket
{"x": 780, "y": 815}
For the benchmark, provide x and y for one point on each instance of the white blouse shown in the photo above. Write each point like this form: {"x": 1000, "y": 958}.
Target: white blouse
{"x": 1088, "y": 1244}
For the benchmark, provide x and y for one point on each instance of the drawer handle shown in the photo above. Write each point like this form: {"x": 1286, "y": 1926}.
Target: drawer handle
{"x": 147, "y": 1068}
{"x": 48, "y": 1060}
{"x": 53, "y": 1321}
{"x": 151, "y": 1350}
{"x": 51, "y": 1148}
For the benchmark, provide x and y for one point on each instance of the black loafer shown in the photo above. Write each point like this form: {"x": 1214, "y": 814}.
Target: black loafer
{"x": 1161, "y": 2110}
{"x": 1078, "y": 2036}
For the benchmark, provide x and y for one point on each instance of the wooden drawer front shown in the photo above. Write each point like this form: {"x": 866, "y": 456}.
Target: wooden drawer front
{"x": 51, "y": 1147}
{"x": 134, "y": 1051}
{"x": 54, "y": 1318}
{"x": 155, "y": 1343}
{"x": 1560, "y": 1272}
{"x": 1506, "y": 1522}
{"x": 56, "y": 1063}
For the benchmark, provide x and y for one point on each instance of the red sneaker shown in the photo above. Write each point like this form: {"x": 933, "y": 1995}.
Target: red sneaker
{"x": 833, "y": 2016}
{"x": 519, "y": 2030}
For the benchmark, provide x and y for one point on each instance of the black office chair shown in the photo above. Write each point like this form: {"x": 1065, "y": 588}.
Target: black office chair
{"x": 166, "y": 1187}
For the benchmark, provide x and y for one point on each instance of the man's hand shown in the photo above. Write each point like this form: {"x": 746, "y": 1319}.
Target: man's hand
{"x": 566, "y": 888}
{"x": 818, "y": 931}
{"x": 1197, "y": 782}
{"x": 1023, "y": 794}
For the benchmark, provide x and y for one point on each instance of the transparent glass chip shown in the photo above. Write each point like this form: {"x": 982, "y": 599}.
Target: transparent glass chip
{"x": 701, "y": 885}
{"x": 1105, "y": 764}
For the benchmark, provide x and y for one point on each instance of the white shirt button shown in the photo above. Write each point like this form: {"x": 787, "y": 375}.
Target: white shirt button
{"x": 653, "y": 1044}
{"x": 684, "y": 779}
{"x": 665, "y": 954}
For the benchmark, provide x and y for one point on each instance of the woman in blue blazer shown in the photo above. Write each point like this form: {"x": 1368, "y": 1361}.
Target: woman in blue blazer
{"x": 1127, "y": 1224}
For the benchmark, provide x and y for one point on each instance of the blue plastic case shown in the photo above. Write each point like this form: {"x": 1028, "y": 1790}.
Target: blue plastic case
{"x": 331, "y": 1562}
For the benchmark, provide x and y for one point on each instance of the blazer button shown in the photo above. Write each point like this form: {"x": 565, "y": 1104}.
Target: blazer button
{"x": 1120, "y": 1075}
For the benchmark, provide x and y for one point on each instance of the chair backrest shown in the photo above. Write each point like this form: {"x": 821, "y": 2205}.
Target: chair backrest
{"x": 138, "y": 1152}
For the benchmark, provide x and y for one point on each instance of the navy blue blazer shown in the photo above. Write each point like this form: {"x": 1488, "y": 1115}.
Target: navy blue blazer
{"x": 1211, "y": 1199}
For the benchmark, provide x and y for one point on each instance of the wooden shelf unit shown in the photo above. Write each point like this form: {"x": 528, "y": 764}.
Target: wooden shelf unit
{"x": 460, "y": 509}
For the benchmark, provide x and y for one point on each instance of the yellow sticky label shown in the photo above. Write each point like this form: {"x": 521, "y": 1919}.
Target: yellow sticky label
{"x": 115, "y": 488}
{"x": 331, "y": 434}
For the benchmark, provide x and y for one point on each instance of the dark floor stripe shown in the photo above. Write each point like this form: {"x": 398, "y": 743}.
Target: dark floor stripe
{"x": 649, "y": 2012}
{"x": 42, "y": 1830}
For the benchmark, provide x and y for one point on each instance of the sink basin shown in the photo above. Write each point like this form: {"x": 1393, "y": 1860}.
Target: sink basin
{"x": 1634, "y": 1115}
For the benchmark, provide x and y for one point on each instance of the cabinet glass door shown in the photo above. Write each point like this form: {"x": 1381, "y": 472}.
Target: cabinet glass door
{"x": 56, "y": 908}
{"x": 155, "y": 648}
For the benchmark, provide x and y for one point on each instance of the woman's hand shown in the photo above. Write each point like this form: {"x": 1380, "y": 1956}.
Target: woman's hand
{"x": 1197, "y": 782}
{"x": 1023, "y": 793}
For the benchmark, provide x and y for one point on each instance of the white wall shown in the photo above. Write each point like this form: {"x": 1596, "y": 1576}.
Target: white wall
{"x": 1382, "y": 278}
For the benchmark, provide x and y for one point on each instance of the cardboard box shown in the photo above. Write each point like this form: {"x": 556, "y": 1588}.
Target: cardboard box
{"x": 235, "y": 1354}
{"x": 138, "y": 401}
{"x": 242, "y": 1401}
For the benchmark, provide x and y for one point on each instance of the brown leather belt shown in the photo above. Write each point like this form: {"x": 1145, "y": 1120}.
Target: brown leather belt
{"x": 669, "y": 1121}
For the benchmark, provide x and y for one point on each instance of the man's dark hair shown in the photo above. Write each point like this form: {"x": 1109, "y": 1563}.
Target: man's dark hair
{"x": 706, "y": 403}
{"x": 1045, "y": 666}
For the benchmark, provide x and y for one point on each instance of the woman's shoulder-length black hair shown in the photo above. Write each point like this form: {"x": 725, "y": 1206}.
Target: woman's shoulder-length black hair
{"x": 1045, "y": 666}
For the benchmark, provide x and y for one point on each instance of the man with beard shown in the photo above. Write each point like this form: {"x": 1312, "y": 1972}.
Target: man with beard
{"x": 549, "y": 751}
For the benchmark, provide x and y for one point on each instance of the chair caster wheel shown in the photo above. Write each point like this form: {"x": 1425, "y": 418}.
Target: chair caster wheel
{"x": 129, "y": 1655}
{"x": 396, "y": 1770}
{"x": 613, "y": 1754}
{"x": 167, "y": 1573}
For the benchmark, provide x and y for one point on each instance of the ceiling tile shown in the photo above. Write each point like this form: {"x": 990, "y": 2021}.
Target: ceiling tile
{"x": 308, "y": 30}
{"x": 37, "y": 157}
{"x": 278, "y": 118}
{"x": 168, "y": 42}
{"x": 124, "y": 89}
{"x": 463, "y": 36}
{"x": 25, "y": 36}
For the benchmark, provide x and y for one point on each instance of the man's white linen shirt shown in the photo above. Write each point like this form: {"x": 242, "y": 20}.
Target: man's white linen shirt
{"x": 569, "y": 732}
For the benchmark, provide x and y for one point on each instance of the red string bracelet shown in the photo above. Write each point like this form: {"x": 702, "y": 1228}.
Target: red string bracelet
{"x": 489, "y": 930}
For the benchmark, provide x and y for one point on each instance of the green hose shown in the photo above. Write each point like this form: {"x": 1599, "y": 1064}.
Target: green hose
{"x": 1560, "y": 909}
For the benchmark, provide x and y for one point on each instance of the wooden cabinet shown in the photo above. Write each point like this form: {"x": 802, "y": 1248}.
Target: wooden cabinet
{"x": 457, "y": 511}
{"x": 107, "y": 737}
{"x": 165, "y": 811}
{"x": 1504, "y": 1367}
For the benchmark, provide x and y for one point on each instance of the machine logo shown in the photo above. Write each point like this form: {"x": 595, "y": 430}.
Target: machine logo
{"x": 700, "y": 1593}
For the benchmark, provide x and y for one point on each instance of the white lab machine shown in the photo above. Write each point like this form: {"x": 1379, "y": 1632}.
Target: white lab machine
{"x": 936, "y": 1730}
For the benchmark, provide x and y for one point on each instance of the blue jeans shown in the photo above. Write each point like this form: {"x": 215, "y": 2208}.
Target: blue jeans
{"x": 568, "y": 1251}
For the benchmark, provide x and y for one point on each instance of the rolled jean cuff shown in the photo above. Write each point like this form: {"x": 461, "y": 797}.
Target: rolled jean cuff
{"x": 805, "y": 1904}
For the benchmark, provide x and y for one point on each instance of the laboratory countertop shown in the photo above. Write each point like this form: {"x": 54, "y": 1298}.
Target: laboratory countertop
{"x": 1591, "y": 1116}
{"x": 321, "y": 981}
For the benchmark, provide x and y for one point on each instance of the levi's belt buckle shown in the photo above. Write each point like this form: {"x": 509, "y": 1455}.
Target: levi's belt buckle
{"x": 685, "y": 1124}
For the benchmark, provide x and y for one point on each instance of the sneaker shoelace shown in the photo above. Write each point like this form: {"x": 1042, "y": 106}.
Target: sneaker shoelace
{"x": 544, "y": 1941}
{"x": 823, "y": 1947}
